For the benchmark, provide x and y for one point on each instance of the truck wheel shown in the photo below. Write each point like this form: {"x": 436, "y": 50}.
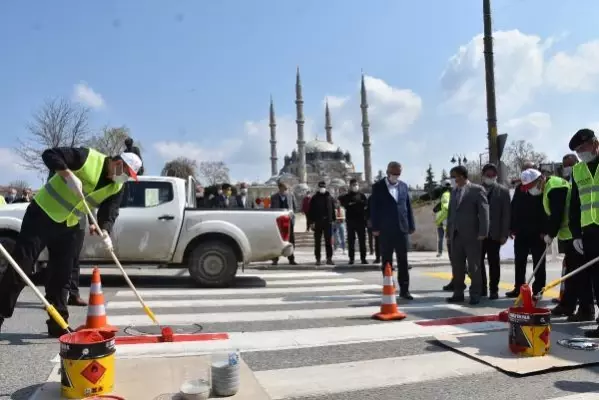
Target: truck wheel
{"x": 213, "y": 264}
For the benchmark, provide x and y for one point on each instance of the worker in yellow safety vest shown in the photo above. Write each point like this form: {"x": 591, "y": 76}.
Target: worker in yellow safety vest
{"x": 441, "y": 211}
{"x": 52, "y": 220}
{"x": 557, "y": 192}
{"x": 584, "y": 207}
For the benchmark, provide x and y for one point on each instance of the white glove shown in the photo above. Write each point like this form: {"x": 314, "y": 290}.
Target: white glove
{"x": 106, "y": 240}
{"x": 75, "y": 184}
{"x": 548, "y": 240}
{"x": 577, "y": 243}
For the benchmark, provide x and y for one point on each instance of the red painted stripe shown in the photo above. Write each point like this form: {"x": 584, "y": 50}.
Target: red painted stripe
{"x": 199, "y": 337}
{"x": 460, "y": 320}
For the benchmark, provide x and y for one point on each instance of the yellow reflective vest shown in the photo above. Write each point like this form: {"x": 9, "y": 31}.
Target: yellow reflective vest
{"x": 62, "y": 205}
{"x": 588, "y": 191}
{"x": 554, "y": 182}
{"x": 441, "y": 215}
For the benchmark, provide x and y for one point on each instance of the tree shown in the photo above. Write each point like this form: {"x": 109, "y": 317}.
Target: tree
{"x": 214, "y": 172}
{"x": 58, "y": 123}
{"x": 110, "y": 141}
{"x": 474, "y": 172}
{"x": 444, "y": 175}
{"x": 19, "y": 184}
{"x": 180, "y": 167}
{"x": 429, "y": 182}
{"x": 519, "y": 151}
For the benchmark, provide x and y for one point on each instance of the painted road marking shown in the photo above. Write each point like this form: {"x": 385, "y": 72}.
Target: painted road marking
{"x": 320, "y": 380}
{"x": 507, "y": 286}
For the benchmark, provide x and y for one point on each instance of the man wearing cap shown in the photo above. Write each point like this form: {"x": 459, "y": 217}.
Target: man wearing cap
{"x": 52, "y": 220}
{"x": 498, "y": 197}
{"x": 556, "y": 194}
{"x": 584, "y": 207}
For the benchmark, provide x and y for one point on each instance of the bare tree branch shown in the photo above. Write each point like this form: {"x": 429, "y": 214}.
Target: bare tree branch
{"x": 180, "y": 167}
{"x": 58, "y": 123}
{"x": 214, "y": 172}
{"x": 519, "y": 151}
{"x": 19, "y": 184}
{"x": 111, "y": 141}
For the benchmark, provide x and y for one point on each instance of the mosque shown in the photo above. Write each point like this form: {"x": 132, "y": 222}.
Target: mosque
{"x": 318, "y": 160}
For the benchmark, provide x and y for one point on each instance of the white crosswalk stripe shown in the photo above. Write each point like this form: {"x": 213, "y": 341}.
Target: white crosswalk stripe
{"x": 310, "y": 334}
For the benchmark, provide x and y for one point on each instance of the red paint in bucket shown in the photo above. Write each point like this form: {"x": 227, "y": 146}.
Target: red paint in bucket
{"x": 87, "y": 336}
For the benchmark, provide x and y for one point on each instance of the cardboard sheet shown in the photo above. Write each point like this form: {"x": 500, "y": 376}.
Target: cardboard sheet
{"x": 492, "y": 348}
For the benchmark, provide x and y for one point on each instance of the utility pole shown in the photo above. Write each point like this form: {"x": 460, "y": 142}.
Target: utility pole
{"x": 490, "y": 86}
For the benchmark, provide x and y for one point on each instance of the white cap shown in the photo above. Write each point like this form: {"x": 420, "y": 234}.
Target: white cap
{"x": 529, "y": 176}
{"x": 133, "y": 163}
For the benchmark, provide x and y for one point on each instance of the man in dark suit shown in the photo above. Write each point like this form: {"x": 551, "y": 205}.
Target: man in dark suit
{"x": 498, "y": 197}
{"x": 242, "y": 200}
{"x": 392, "y": 221}
{"x": 321, "y": 215}
{"x": 467, "y": 227}
{"x": 284, "y": 199}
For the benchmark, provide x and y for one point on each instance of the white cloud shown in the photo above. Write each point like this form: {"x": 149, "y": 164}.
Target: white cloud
{"x": 576, "y": 72}
{"x": 532, "y": 127}
{"x": 392, "y": 111}
{"x": 519, "y": 65}
{"x": 83, "y": 93}
{"x": 11, "y": 170}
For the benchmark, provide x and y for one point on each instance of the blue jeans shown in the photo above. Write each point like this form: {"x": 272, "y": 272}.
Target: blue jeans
{"x": 339, "y": 229}
{"x": 440, "y": 237}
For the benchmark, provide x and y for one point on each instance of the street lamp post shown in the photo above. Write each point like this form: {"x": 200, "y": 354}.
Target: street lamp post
{"x": 458, "y": 158}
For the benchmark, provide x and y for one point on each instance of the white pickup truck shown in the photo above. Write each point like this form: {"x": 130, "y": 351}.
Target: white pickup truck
{"x": 159, "y": 224}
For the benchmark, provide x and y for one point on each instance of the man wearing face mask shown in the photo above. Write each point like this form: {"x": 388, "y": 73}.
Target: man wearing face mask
{"x": 53, "y": 218}
{"x": 11, "y": 197}
{"x": 498, "y": 197}
{"x": 321, "y": 215}
{"x": 392, "y": 220}
{"x": 242, "y": 200}
{"x": 568, "y": 162}
{"x": 584, "y": 212}
{"x": 220, "y": 200}
{"x": 556, "y": 195}
{"x": 355, "y": 204}
{"x": 527, "y": 228}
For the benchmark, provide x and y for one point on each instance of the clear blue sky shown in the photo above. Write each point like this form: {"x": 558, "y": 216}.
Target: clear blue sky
{"x": 193, "y": 73}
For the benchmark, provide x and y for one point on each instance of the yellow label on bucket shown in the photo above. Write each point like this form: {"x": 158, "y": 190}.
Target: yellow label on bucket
{"x": 529, "y": 333}
{"x": 81, "y": 378}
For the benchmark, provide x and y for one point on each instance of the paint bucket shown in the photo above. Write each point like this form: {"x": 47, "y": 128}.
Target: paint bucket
{"x": 225, "y": 373}
{"x": 529, "y": 331}
{"x": 87, "y": 363}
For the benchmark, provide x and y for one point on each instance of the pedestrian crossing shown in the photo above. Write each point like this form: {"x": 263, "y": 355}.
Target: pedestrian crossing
{"x": 309, "y": 335}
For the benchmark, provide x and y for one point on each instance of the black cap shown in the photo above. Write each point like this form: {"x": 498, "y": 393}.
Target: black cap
{"x": 580, "y": 137}
{"x": 322, "y": 184}
{"x": 489, "y": 166}
{"x": 353, "y": 181}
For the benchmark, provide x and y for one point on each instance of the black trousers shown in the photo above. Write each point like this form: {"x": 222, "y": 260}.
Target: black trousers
{"x": 491, "y": 249}
{"x": 376, "y": 248}
{"x": 579, "y": 288}
{"x": 524, "y": 245}
{"x": 590, "y": 238}
{"x": 396, "y": 242}
{"x": 323, "y": 228}
{"x": 75, "y": 272}
{"x": 356, "y": 228}
{"x": 38, "y": 231}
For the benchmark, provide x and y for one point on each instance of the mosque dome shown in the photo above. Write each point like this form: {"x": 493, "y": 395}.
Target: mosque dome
{"x": 320, "y": 146}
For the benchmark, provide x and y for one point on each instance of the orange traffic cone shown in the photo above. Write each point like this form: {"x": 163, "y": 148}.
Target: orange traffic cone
{"x": 96, "y": 311}
{"x": 389, "y": 310}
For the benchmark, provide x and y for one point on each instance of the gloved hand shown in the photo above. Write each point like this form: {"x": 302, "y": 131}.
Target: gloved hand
{"x": 548, "y": 239}
{"x": 74, "y": 184}
{"x": 107, "y": 241}
{"x": 577, "y": 243}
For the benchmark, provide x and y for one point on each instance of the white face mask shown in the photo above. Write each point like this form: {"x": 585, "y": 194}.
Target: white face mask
{"x": 220, "y": 192}
{"x": 586, "y": 156}
{"x": 393, "y": 178}
{"x": 452, "y": 182}
{"x": 535, "y": 191}
{"x": 354, "y": 188}
{"x": 567, "y": 172}
{"x": 489, "y": 181}
{"x": 322, "y": 190}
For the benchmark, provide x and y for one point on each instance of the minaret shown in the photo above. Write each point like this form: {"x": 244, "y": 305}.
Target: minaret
{"x": 301, "y": 149}
{"x": 274, "y": 170}
{"x": 365, "y": 134}
{"x": 327, "y": 123}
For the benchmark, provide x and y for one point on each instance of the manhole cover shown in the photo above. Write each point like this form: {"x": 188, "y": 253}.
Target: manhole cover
{"x": 579, "y": 344}
{"x": 155, "y": 330}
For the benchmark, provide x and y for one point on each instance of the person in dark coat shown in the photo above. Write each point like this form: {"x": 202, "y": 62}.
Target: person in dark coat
{"x": 355, "y": 204}
{"x": 321, "y": 215}
{"x": 393, "y": 221}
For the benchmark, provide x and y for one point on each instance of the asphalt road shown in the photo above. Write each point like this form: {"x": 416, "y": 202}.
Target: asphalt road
{"x": 279, "y": 306}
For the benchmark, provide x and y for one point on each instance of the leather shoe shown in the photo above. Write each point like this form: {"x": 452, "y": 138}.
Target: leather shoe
{"x": 474, "y": 301}
{"x": 512, "y": 294}
{"x": 406, "y": 295}
{"x": 76, "y": 301}
{"x": 493, "y": 296}
{"x": 455, "y": 299}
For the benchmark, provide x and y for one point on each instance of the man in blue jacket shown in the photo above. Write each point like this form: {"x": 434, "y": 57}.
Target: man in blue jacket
{"x": 393, "y": 221}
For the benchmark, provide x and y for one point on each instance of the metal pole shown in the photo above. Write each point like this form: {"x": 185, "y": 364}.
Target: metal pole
{"x": 490, "y": 86}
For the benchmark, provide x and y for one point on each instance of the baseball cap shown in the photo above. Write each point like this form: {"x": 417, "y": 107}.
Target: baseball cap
{"x": 528, "y": 178}
{"x": 580, "y": 137}
{"x": 132, "y": 162}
